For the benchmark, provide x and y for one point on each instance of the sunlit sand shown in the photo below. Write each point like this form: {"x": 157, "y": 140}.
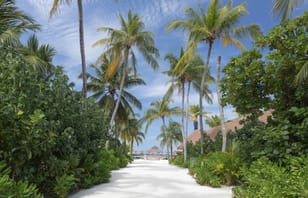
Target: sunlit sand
{"x": 149, "y": 179}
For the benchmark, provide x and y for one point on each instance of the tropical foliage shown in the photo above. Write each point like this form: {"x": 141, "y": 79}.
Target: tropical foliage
{"x": 160, "y": 110}
{"x": 270, "y": 151}
{"x": 13, "y": 22}
{"x": 217, "y": 23}
{"x": 48, "y": 143}
{"x": 186, "y": 74}
{"x": 50, "y": 146}
{"x": 172, "y": 137}
{"x": 120, "y": 45}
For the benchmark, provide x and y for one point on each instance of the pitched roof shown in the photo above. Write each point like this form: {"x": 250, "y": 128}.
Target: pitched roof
{"x": 154, "y": 149}
{"x": 231, "y": 126}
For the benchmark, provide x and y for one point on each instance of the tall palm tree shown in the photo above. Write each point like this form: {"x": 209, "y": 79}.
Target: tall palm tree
{"x": 120, "y": 43}
{"x": 13, "y": 22}
{"x": 106, "y": 91}
{"x": 160, "y": 110}
{"x": 53, "y": 11}
{"x": 173, "y": 135}
{"x": 283, "y": 9}
{"x": 221, "y": 110}
{"x": 187, "y": 72}
{"x": 178, "y": 81}
{"x": 218, "y": 22}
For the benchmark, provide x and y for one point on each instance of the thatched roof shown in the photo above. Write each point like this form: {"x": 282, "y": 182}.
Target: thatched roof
{"x": 154, "y": 149}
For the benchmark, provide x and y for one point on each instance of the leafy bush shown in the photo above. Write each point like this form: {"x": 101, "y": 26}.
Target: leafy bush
{"x": 44, "y": 131}
{"x": 268, "y": 179}
{"x": 178, "y": 160}
{"x": 64, "y": 184}
{"x": 209, "y": 145}
{"x": 285, "y": 135}
{"x": 95, "y": 170}
{"x": 10, "y": 188}
{"x": 218, "y": 168}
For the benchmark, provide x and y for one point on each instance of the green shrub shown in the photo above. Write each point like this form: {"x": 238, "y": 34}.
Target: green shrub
{"x": 95, "y": 170}
{"x": 285, "y": 135}
{"x": 10, "y": 188}
{"x": 64, "y": 184}
{"x": 112, "y": 162}
{"x": 178, "y": 160}
{"x": 218, "y": 168}
{"x": 268, "y": 179}
{"x": 123, "y": 160}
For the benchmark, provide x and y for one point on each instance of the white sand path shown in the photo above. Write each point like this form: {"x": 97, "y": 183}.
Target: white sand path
{"x": 149, "y": 179}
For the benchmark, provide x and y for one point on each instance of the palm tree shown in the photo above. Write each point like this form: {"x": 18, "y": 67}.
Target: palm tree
{"x": 132, "y": 132}
{"x": 53, "y": 11}
{"x": 39, "y": 56}
{"x": 221, "y": 110}
{"x": 173, "y": 135}
{"x": 106, "y": 91}
{"x": 187, "y": 72}
{"x": 120, "y": 43}
{"x": 283, "y": 8}
{"x": 178, "y": 81}
{"x": 213, "y": 121}
{"x": 160, "y": 110}
{"x": 219, "y": 22}
{"x": 13, "y": 22}
{"x": 194, "y": 111}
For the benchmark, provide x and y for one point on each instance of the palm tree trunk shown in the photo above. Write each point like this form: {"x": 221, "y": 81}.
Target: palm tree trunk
{"x": 201, "y": 96}
{"x": 187, "y": 109}
{"x": 221, "y": 110}
{"x": 183, "y": 123}
{"x": 121, "y": 87}
{"x": 82, "y": 53}
{"x": 167, "y": 139}
{"x": 131, "y": 147}
{"x": 116, "y": 137}
{"x": 171, "y": 149}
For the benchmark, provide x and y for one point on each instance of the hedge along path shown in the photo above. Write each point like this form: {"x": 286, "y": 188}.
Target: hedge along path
{"x": 149, "y": 179}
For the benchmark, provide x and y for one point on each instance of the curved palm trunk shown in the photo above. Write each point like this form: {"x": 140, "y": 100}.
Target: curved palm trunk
{"x": 201, "y": 96}
{"x": 167, "y": 139}
{"x": 183, "y": 123}
{"x": 221, "y": 110}
{"x": 187, "y": 105}
{"x": 82, "y": 53}
{"x": 121, "y": 87}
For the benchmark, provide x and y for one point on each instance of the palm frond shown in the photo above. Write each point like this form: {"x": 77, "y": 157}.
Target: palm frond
{"x": 302, "y": 75}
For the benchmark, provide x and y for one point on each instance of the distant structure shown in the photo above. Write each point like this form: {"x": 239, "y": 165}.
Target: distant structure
{"x": 154, "y": 153}
{"x": 231, "y": 126}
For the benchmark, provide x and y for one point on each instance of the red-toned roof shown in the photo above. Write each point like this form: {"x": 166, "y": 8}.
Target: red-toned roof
{"x": 231, "y": 126}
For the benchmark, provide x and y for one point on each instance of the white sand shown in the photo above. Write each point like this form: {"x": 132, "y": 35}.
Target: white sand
{"x": 149, "y": 179}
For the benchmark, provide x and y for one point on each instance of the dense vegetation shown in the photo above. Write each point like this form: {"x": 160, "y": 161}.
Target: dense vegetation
{"x": 54, "y": 140}
{"x": 45, "y": 136}
{"x": 268, "y": 160}
{"x": 49, "y": 143}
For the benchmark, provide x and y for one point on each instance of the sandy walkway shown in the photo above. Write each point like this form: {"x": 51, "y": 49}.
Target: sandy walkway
{"x": 149, "y": 179}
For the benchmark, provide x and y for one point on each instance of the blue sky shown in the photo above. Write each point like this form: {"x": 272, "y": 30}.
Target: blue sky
{"x": 62, "y": 33}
